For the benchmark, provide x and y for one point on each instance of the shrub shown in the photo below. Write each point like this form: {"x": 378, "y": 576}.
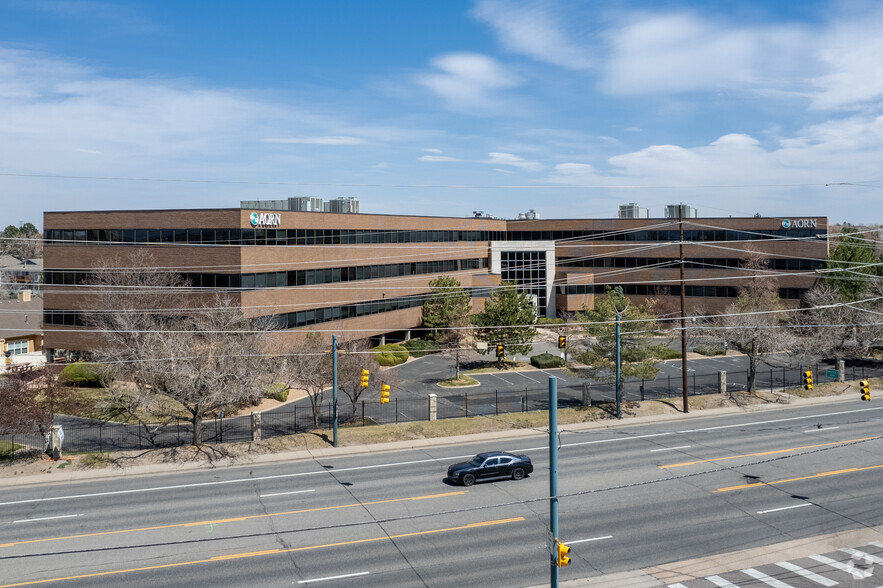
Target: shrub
{"x": 668, "y": 353}
{"x": 709, "y": 350}
{"x": 549, "y": 321}
{"x": 85, "y": 375}
{"x": 278, "y": 391}
{"x": 420, "y": 347}
{"x": 546, "y": 361}
{"x": 391, "y": 354}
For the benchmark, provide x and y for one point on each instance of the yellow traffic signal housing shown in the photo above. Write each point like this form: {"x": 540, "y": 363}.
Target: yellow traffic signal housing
{"x": 807, "y": 380}
{"x": 561, "y": 559}
{"x": 865, "y": 389}
{"x": 366, "y": 375}
{"x": 384, "y": 393}
{"x": 501, "y": 349}
{"x": 562, "y": 341}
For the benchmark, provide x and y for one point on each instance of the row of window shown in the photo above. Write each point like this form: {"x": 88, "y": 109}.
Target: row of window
{"x": 529, "y": 269}
{"x": 296, "y": 277}
{"x": 672, "y": 290}
{"x": 689, "y": 263}
{"x": 303, "y": 318}
{"x": 16, "y": 347}
{"x": 197, "y": 236}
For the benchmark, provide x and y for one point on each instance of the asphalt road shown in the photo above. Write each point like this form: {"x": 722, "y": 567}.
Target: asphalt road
{"x": 630, "y": 497}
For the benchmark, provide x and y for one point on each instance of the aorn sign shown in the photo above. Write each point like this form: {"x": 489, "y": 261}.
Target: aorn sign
{"x": 799, "y": 223}
{"x": 265, "y": 219}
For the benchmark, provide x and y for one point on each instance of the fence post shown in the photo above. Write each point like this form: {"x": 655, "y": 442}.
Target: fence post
{"x": 694, "y": 383}
{"x": 771, "y": 380}
{"x": 642, "y": 389}
{"x": 363, "y": 413}
{"x": 669, "y": 385}
{"x": 841, "y": 368}
{"x": 256, "y": 426}
{"x": 465, "y": 403}
{"x": 397, "y": 411}
{"x": 433, "y": 407}
{"x": 496, "y": 403}
{"x": 587, "y": 394}
{"x": 722, "y": 382}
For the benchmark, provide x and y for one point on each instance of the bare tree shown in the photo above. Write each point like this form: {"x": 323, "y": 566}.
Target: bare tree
{"x": 456, "y": 340}
{"x": 834, "y": 327}
{"x": 354, "y": 357}
{"x": 752, "y": 325}
{"x": 170, "y": 359}
{"x": 307, "y": 366}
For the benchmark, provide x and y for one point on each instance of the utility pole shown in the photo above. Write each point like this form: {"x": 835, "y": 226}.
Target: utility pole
{"x": 553, "y": 481}
{"x": 683, "y": 307}
{"x": 334, "y": 386}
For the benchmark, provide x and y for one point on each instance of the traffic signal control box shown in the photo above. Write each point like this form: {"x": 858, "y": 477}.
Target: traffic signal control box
{"x": 865, "y": 389}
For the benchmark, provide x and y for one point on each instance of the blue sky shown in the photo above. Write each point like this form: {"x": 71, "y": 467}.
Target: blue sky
{"x": 444, "y": 107}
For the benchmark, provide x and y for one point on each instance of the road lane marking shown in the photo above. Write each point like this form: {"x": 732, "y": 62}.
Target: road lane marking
{"x": 270, "y": 552}
{"x": 333, "y": 578}
{"x": 232, "y": 520}
{"x": 768, "y": 580}
{"x": 236, "y": 481}
{"x": 806, "y": 574}
{"x": 670, "y": 448}
{"x": 587, "y": 540}
{"x": 286, "y": 493}
{"x": 784, "y": 508}
{"x": 762, "y": 453}
{"x": 821, "y": 429}
{"x": 820, "y": 475}
{"x": 48, "y": 518}
{"x": 785, "y": 420}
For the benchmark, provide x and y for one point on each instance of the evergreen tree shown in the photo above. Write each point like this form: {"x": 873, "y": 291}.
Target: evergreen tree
{"x": 448, "y": 301}
{"x": 854, "y": 257}
{"x": 509, "y": 317}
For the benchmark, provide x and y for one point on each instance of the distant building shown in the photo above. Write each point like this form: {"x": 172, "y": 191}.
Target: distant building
{"x": 671, "y": 211}
{"x": 21, "y": 333}
{"x": 346, "y": 205}
{"x": 16, "y": 273}
{"x": 632, "y": 210}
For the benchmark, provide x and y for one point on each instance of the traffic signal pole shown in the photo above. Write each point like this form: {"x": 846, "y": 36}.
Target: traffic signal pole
{"x": 553, "y": 480}
{"x": 334, "y": 386}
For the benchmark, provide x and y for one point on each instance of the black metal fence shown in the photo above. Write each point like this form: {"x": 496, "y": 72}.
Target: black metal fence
{"x": 82, "y": 435}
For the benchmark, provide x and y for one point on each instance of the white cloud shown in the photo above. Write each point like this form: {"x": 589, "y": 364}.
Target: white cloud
{"x": 468, "y": 81}
{"x": 533, "y": 30}
{"x": 330, "y": 140}
{"x": 512, "y": 160}
{"x": 430, "y": 150}
{"x": 437, "y": 158}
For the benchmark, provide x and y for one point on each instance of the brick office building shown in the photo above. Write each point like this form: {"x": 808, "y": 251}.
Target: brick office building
{"x": 366, "y": 275}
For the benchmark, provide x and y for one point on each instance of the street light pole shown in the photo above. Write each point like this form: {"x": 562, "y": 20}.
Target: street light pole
{"x": 334, "y": 386}
{"x": 683, "y": 308}
{"x": 618, "y": 367}
{"x": 553, "y": 480}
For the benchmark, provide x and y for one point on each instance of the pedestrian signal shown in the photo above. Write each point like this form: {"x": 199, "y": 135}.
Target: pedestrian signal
{"x": 366, "y": 375}
{"x": 807, "y": 380}
{"x": 384, "y": 393}
{"x": 865, "y": 389}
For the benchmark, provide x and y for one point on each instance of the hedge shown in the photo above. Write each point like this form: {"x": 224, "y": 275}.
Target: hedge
{"x": 709, "y": 350}
{"x": 85, "y": 375}
{"x": 546, "y": 361}
{"x": 420, "y": 347}
{"x": 391, "y": 354}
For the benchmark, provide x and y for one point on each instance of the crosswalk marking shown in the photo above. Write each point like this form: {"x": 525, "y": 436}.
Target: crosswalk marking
{"x": 848, "y": 568}
{"x": 678, "y": 585}
{"x": 863, "y": 555}
{"x": 769, "y": 580}
{"x": 718, "y": 581}
{"x": 806, "y": 573}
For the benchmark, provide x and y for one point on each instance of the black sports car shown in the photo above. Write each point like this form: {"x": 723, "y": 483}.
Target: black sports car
{"x": 493, "y": 465}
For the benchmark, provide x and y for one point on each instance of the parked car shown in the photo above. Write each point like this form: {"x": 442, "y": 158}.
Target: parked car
{"x": 493, "y": 465}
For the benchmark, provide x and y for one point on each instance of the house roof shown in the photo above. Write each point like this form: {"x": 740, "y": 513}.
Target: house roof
{"x": 16, "y": 264}
{"x": 20, "y": 319}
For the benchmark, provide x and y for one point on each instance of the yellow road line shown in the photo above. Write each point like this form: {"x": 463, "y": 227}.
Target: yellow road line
{"x": 821, "y": 475}
{"x": 775, "y": 451}
{"x": 268, "y": 552}
{"x": 232, "y": 520}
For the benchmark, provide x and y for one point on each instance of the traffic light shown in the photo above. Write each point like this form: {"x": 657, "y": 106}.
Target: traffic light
{"x": 384, "y": 393}
{"x": 365, "y": 376}
{"x": 807, "y": 380}
{"x": 562, "y": 341}
{"x": 562, "y": 550}
{"x": 865, "y": 388}
{"x": 501, "y": 350}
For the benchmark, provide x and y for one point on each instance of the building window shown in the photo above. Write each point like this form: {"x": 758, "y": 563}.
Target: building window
{"x": 17, "y": 347}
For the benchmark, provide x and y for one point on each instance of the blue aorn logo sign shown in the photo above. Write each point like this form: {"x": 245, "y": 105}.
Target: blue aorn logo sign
{"x": 799, "y": 223}
{"x": 265, "y": 219}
